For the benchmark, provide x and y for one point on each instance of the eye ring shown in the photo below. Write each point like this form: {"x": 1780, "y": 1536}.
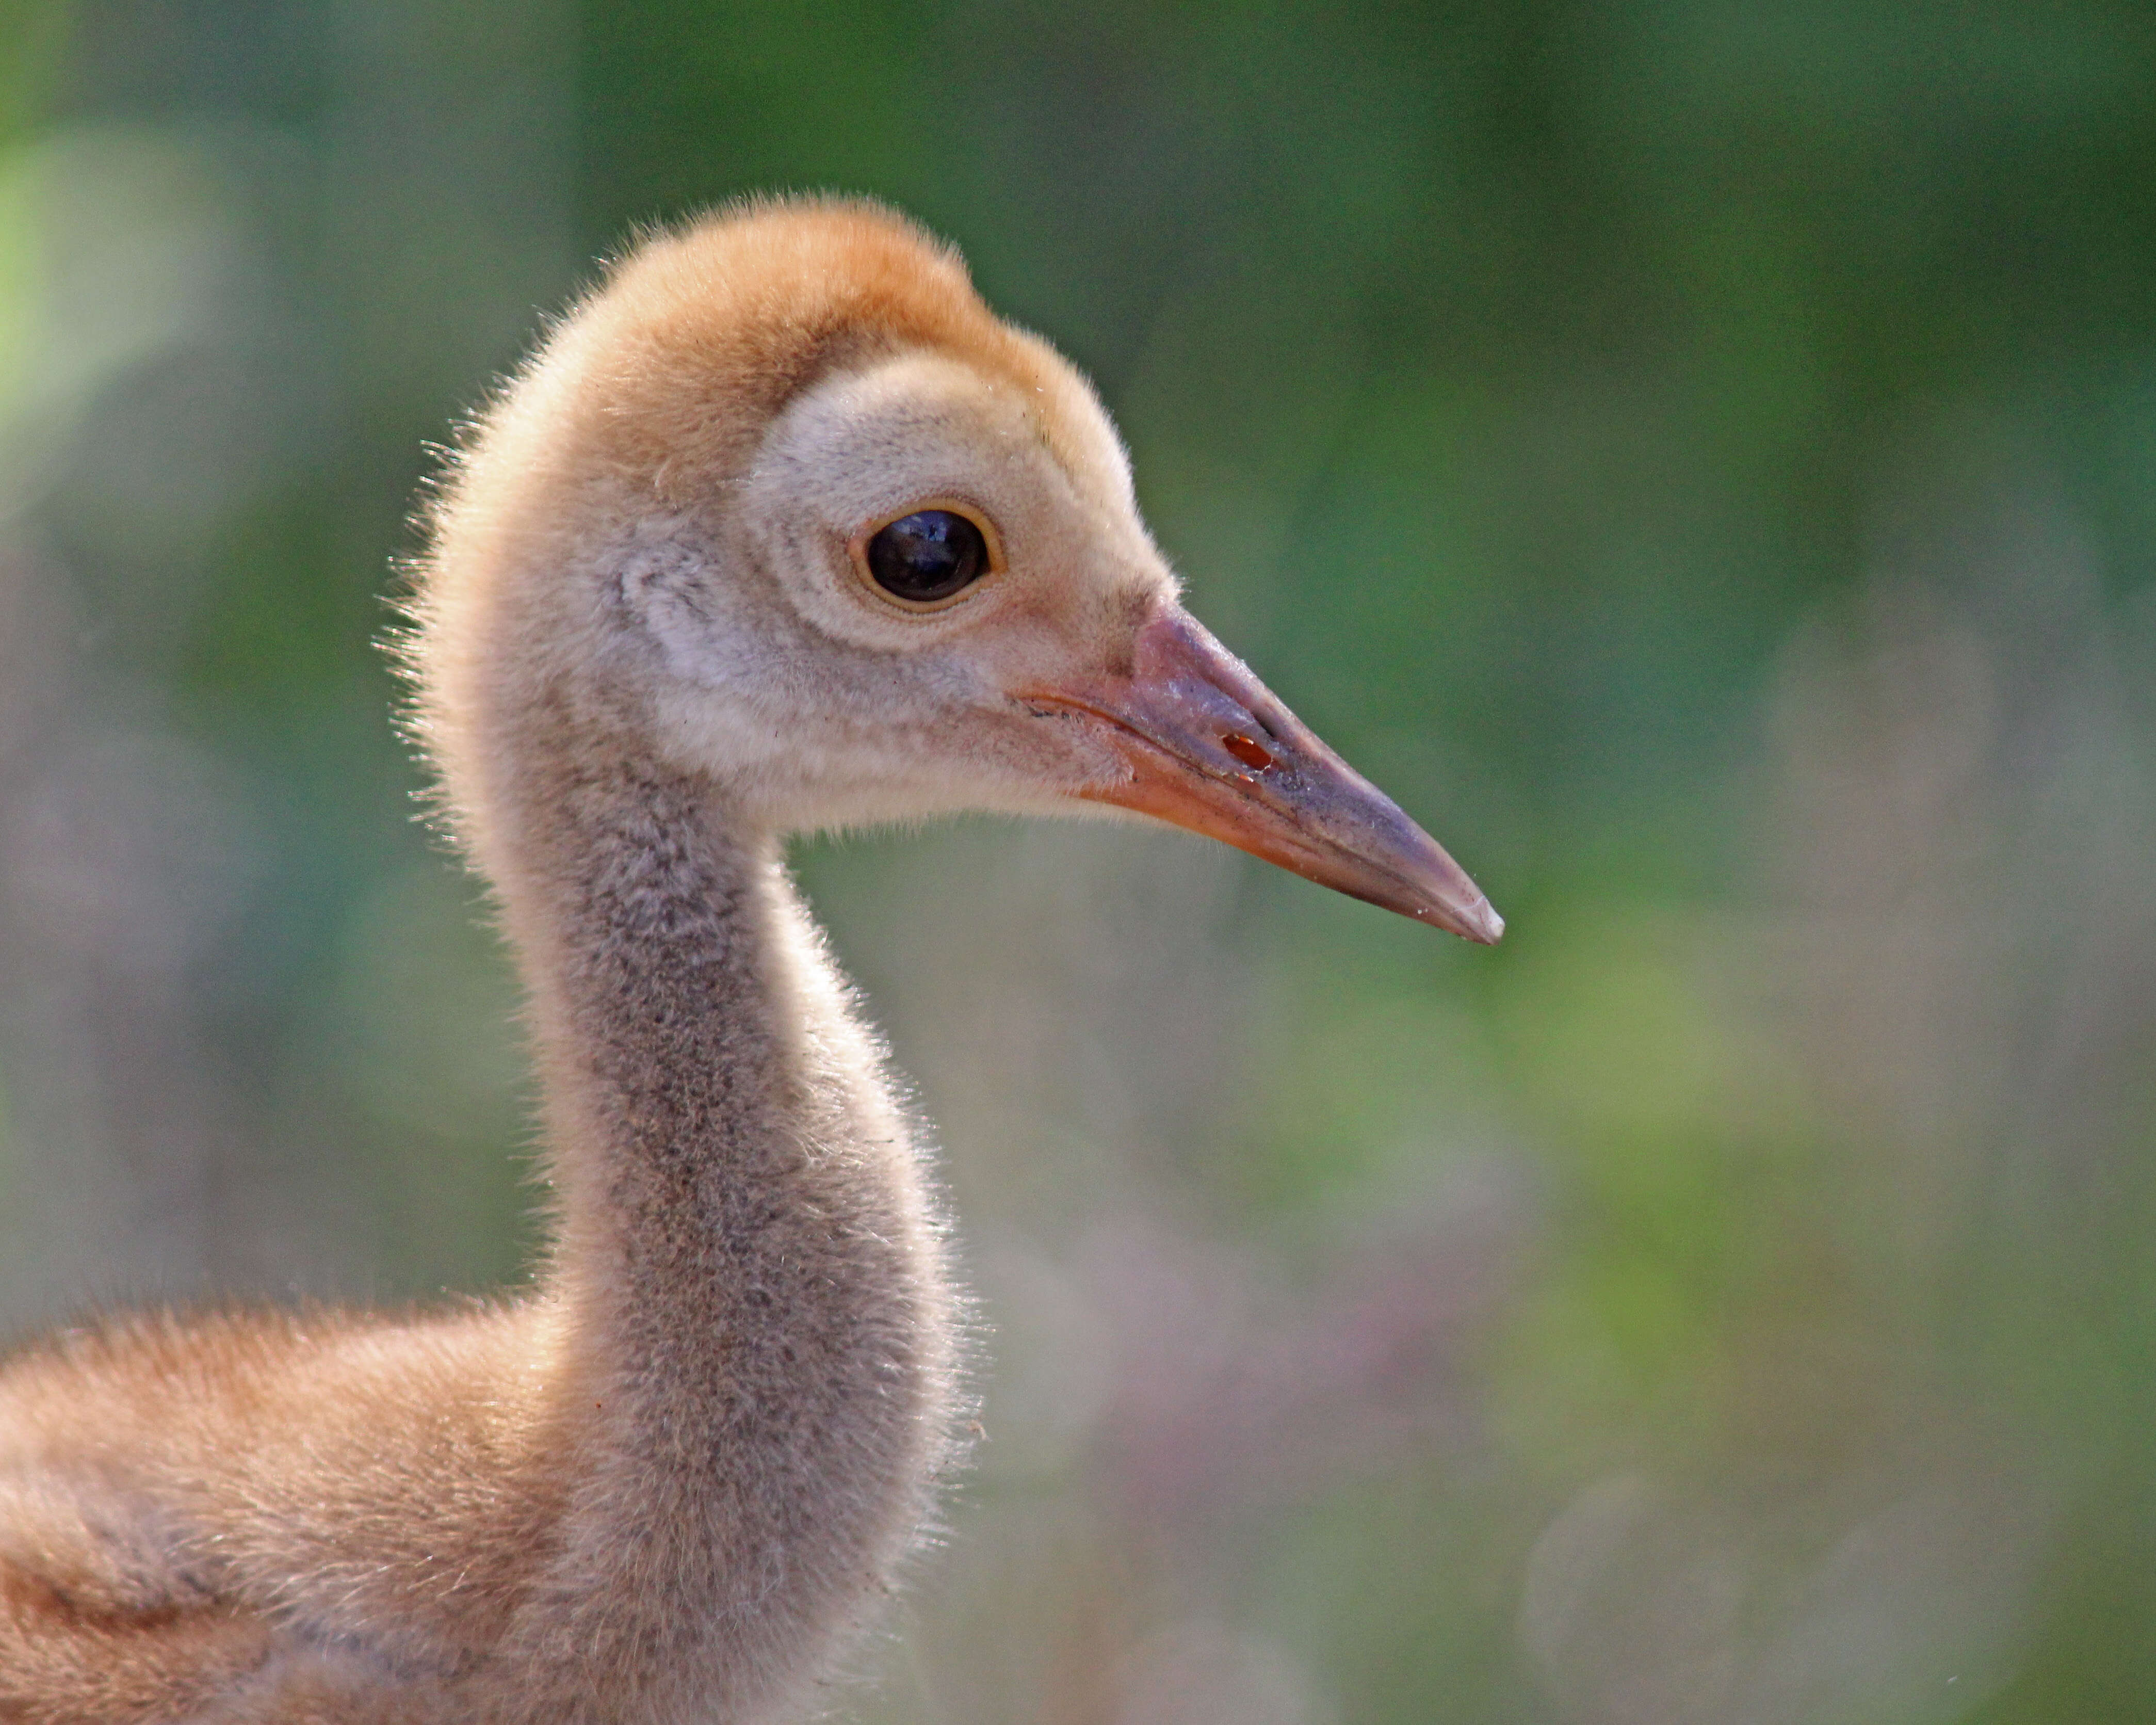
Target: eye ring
{"x": 862, "y": 551}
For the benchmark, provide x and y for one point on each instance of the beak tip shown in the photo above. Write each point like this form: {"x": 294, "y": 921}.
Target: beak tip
{"x": 1478, "y": 922}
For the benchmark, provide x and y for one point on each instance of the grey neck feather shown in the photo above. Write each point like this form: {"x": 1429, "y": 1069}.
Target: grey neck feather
{"x": 749, "y": 1275}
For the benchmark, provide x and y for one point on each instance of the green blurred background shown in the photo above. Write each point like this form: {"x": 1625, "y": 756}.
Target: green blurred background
{"x": 1699, "y": 454}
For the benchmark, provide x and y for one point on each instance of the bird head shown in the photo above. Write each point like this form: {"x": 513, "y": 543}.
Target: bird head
{"x": 786, "y": 501}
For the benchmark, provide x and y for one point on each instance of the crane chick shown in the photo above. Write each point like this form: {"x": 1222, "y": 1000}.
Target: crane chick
{"x": 780, "y": 530}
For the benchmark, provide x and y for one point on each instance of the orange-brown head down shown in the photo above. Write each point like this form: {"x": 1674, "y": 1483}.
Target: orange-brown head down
{"x": 675, "y": 519}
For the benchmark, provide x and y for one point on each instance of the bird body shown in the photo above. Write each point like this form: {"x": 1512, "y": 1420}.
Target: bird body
{"x": 691, "y": 590}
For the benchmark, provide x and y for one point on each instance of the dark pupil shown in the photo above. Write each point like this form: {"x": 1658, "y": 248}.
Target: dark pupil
{"x": 928, "y": 556}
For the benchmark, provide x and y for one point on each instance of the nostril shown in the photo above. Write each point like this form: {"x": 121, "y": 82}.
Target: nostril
{"x": 1252, "y": 753}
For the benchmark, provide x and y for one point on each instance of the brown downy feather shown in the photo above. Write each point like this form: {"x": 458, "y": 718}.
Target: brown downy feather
{"x": 674, "y": 1481}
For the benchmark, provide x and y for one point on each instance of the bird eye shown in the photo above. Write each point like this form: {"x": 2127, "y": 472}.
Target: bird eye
{"x": 929, "y": 555}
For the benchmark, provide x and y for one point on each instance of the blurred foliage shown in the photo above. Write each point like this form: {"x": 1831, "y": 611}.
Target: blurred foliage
{"x": 1700, "y": 455}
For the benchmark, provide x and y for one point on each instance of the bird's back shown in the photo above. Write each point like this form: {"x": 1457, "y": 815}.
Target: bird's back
{"x": 262, "y": 1513}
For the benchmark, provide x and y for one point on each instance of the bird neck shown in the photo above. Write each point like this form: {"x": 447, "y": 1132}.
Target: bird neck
{"x": 752, "y": 1329}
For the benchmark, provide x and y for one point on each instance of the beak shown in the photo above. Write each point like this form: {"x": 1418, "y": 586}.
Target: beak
{"x": 1207, "y": 747}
